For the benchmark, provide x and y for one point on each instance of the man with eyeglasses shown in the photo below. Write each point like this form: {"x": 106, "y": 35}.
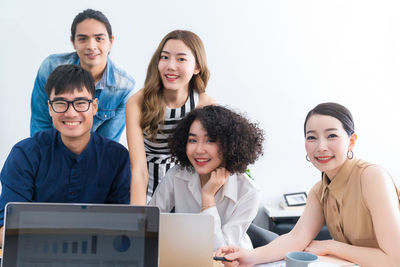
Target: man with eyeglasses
{"x": 69, "y": 163}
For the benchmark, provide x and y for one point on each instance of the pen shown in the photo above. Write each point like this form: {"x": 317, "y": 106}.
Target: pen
{"x": 216, "y": 258}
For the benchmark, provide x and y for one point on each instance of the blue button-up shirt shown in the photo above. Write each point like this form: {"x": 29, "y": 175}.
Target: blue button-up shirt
{"x": 113, "y": 90}
{"x": 42, "y": 169}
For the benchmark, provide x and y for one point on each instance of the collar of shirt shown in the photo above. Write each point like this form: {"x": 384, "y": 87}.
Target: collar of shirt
{"x": 108, "y": 78}
{"x": 71, "y": 155}
{"x": 229, "y": 189}
{"x": 337, "y": 186}
{"x": 102, "y": 82}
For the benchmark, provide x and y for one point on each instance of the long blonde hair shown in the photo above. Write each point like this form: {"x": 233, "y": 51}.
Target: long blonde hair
{"x": 153, "y": 107}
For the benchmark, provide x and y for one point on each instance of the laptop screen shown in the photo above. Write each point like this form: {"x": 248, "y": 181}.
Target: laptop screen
{"x": 42, "y": 234}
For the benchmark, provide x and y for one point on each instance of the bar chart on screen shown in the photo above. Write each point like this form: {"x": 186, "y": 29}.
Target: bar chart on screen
{"x": 84, "y": 250}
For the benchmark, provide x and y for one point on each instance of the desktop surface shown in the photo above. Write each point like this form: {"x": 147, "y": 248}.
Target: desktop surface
{"x": 276, "y": 211}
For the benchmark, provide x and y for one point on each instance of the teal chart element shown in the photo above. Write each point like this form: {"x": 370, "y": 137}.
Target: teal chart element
{"x": 121, "y": 243}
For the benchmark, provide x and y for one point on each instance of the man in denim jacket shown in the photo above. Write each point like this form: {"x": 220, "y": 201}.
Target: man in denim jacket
{"x": 92, "y": 39}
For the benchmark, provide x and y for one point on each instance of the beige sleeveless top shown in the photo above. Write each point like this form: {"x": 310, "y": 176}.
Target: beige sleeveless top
{"x": 346, "y": 214}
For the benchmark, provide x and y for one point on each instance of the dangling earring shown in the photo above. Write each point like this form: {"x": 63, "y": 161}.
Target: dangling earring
{"x": 350, "y": 154}
{"x": 307, "y": 158}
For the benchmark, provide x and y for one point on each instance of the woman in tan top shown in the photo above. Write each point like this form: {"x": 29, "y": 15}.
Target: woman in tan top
{"x": 357, "y": 200}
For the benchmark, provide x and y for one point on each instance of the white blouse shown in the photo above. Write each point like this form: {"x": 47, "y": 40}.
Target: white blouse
{"x": 237, "y": 203}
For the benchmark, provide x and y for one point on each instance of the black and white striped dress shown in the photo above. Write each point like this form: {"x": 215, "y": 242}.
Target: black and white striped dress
{"x": 157, "y": 153}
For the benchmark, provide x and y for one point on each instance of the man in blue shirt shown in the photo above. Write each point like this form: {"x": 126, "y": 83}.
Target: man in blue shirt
{"x": 68, "y": 164}
{"x": 92, "y": 39}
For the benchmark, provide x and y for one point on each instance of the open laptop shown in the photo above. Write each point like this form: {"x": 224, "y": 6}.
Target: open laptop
{"x": 44, "y": 234}
{"x": 186, "y": 240}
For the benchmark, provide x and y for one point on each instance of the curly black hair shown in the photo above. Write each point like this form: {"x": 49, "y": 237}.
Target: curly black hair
{"x": 240, "y": 141}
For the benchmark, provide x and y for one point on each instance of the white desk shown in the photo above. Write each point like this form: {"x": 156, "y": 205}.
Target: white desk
{"x": 272, "y": 264}
{"x": 275, "y": 211}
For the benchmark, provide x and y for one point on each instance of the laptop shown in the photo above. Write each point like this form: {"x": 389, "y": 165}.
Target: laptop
{"x": 45, "y": 234}
{"x": 186, "y": 240}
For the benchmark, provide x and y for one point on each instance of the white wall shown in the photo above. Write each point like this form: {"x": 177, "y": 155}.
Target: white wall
{"x": 274, "y": 60}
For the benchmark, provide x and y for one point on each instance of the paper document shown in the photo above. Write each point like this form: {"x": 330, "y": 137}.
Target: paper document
{"x": 273, "y": 264}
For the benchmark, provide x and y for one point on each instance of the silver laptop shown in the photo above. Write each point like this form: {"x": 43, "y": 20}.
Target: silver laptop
{"x": 186, "y": 240}
{"x": 84, "y": 235}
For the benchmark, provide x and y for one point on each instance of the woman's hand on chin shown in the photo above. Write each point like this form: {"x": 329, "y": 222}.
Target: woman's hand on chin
{"x": 217, "y": 179}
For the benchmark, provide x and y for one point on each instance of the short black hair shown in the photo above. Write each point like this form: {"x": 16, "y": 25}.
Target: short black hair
{"x": 334, "y": 110}
{"x": 90, "y": 14}
{"x": 240, "y": 141}
{"x": 67, "y": 78}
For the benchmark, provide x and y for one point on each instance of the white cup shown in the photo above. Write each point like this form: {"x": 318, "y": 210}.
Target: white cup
{"x": 300, "y": 259}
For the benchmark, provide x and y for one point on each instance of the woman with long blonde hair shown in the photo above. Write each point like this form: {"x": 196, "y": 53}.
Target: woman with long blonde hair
{"x": 175, "y": 84}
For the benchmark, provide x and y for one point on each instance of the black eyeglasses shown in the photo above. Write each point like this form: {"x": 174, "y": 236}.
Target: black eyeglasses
{"x": 61, "y": 106}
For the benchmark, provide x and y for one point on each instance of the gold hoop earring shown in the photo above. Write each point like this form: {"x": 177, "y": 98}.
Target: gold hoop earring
{"x": 351, "y": 154}
{"x": 307, "y": 158}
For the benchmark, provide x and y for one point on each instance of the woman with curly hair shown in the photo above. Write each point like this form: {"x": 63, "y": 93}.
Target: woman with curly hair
{"x": 213, "y": 147}
{"x": 175, "y": 84}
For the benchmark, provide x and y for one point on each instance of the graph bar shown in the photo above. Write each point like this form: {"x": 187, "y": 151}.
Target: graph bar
{"x": 45, "y": 247}
{"x": 94, "y": 244}
{"x": 74, "y": 247}
{"x": 65, "y": 247}
{"x": 55, "y": 247}
{"x": 84, "y": 247}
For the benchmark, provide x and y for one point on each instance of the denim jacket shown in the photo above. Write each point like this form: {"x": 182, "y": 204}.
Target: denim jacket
{"x": 113, "y": 90}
